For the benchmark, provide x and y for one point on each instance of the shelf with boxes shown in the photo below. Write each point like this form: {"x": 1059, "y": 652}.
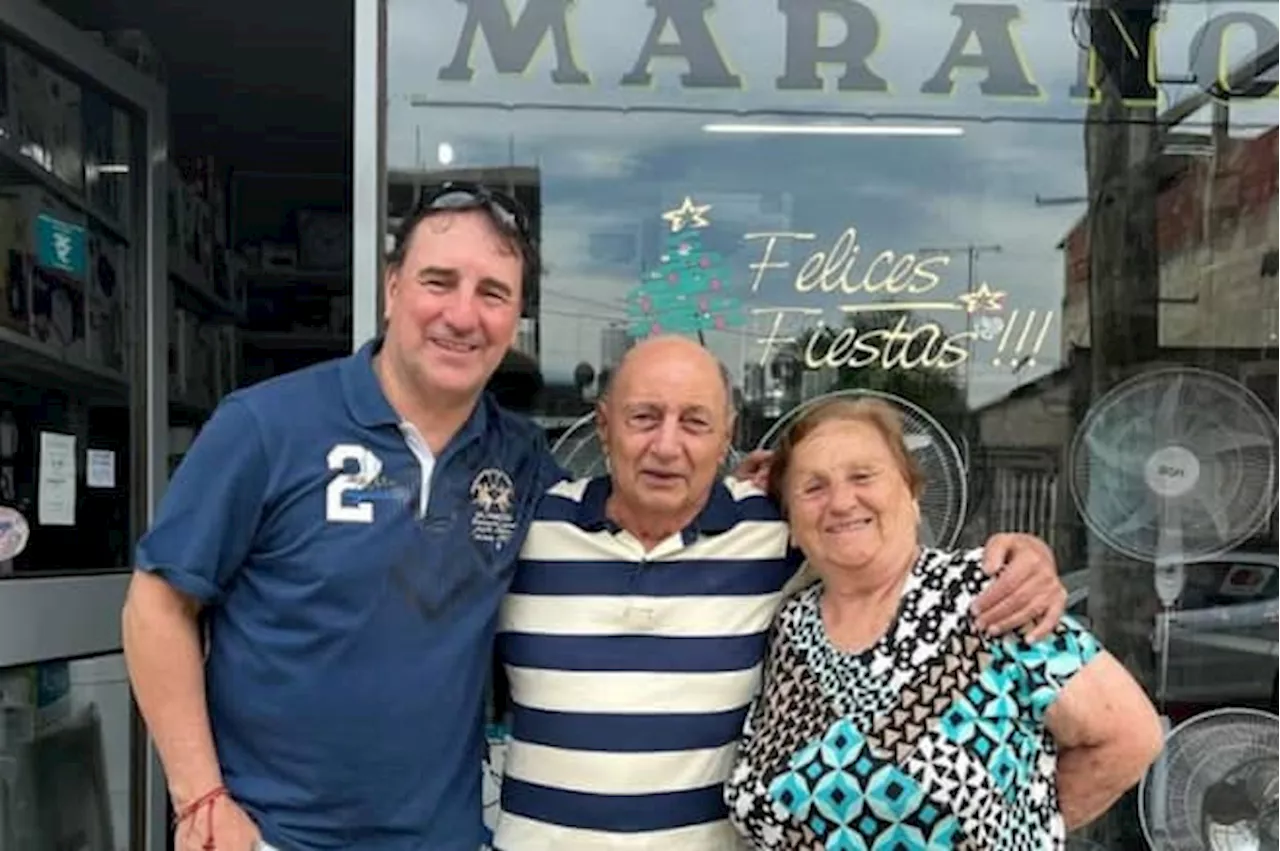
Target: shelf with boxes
{"x": 65, "y": 247}
{"x": 208, "y": 301}
{"x": 296, "y": 272}
{"x": 63, "y": 300}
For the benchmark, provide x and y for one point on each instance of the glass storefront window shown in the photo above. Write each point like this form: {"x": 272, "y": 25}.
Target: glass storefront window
{"x": 1049, "y": 229}
{"x": 71, "y": 261}
{"x": 64, "y": 755}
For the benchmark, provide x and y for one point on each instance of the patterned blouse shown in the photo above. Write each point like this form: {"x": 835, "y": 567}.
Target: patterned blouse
{"x": 933, "y": 738}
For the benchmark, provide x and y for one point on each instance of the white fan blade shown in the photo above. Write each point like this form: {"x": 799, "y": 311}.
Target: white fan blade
{"x": 1170, "y": 404}
{"x": 1110, "y": 456}
{"x": 1215, "y": 507}
{"x": 1142, "y": 518}
{"x": 1231, "y": 440}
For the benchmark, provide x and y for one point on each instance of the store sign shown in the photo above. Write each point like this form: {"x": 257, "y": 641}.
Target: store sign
{"x": 61, "y": 246}
{"x": 902, "y": 285}
{"x": 985, "y": 40}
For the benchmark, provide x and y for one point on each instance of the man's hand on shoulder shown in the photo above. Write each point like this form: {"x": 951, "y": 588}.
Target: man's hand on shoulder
{"x": 754, "y": 468}
{"x": 1027, "y": 592}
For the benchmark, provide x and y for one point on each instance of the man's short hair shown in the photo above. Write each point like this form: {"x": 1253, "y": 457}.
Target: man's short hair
{"x": 523, "y": 244}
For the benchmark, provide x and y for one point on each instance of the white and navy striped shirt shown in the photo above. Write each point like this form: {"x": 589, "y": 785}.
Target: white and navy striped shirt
{"x": 631, "y": 671}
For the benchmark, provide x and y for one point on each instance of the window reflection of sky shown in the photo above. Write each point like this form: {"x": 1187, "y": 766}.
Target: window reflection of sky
{"x": 607, "y": 177}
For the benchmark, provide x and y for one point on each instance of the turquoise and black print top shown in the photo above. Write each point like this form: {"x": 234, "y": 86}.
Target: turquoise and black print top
{"x": 933, "y": 738}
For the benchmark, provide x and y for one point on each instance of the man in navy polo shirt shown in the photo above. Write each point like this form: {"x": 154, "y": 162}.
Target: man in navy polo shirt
{"x": 346, "y": 533}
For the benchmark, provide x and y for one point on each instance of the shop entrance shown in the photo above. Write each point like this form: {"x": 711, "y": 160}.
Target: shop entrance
{"x": 175, "y": 223}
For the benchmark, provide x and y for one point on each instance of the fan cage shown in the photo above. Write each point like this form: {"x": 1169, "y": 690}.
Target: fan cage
{"x": 1212, "y": 734}
{"x": 1254, "y": 509}
{"x": 944, "y": 503}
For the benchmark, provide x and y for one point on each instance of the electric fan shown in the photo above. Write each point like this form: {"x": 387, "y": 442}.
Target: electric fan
{"x": 945, "y": 497}
{"x": 1175, "y": 462}
{"x": 1218, "y": 787}
{"x": 1174, "y": 466}
{"x": 579, "y": 451}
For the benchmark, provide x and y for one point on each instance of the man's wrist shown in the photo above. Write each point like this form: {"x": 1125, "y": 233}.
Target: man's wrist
{"x": 192, "y": 788}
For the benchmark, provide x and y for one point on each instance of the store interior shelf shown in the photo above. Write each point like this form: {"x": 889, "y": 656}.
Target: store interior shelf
{"x": 297, "y": 340}
{"x": 199, "y": 299}
{"x": 43, "y": 365}
{"x": 319, "y": 281}
{"x": 185, "y": 411}
{"x": 15, "y": 168}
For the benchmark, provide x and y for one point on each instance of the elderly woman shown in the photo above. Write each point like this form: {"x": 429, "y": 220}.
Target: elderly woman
{"x": 887, "y": 719}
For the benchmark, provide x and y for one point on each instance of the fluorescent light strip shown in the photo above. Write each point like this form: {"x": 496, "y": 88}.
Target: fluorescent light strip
{"x": 837, "y": 129}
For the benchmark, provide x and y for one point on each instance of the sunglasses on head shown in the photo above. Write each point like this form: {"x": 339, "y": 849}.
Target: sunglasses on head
{"x": 459, "y": 196}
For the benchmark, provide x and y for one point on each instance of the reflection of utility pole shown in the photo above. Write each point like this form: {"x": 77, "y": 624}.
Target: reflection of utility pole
{"x": 972, "y": 251}
{"x": 1121, "y": 141}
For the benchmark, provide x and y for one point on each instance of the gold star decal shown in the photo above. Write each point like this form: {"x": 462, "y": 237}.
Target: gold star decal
{"x": 687, "y": 214}
{"x": 983, "y": 298}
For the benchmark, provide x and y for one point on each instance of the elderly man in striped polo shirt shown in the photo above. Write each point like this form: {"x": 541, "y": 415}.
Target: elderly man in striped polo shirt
{"x": 635, "y": 628}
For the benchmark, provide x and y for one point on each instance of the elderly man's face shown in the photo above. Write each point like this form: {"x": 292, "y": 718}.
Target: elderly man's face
{"x": 666, "y": 425}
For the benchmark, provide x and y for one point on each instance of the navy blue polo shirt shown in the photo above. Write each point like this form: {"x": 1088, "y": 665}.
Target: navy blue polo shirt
{"x": 351, "y": 610}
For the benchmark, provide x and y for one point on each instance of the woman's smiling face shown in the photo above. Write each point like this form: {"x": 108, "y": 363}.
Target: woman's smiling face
{"x": 847, "y": 498}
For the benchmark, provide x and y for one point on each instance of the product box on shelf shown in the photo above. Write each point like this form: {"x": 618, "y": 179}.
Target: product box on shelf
{"x": 278, "y": 257}
{"x": 54, "y": 263}
{"x": 193, "y": 359}
{"x": 58, "y": 312}
{"x": 173, "y": 209}
{"x": 45, "y": 116}
{"x": 205, "y": 181}
{"x": 107, "y": 157}
{"x": 16, "y": 240}
{"x": 340, "y": 314}
{"x": 202, "y": 381}
{"x": 179, "y": 327}
{"x": 228, "y": 350}
{"x": 197, "y": 238}
{"x": 324, "y": 240}
{"x": 135, "y": 47}
{"x": 105, "y": 304}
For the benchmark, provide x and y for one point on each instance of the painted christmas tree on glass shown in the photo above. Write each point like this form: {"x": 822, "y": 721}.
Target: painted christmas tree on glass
{"x": 688, "y": 291}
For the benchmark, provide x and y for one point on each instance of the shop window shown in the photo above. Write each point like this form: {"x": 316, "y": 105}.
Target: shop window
{"x": 933, "y": 207}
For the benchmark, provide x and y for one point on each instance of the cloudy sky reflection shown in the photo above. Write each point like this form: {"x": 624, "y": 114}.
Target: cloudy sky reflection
{"x": 608, "y": 174}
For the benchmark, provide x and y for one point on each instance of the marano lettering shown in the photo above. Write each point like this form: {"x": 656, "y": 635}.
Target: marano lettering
{"x": 985, "y": 41}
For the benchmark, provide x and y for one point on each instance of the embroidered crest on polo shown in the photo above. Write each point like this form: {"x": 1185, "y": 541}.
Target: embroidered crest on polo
{"x": 493, "y": 499}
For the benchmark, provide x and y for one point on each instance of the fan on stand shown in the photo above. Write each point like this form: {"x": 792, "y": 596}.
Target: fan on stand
{"x": 945, "y": 497}
{"x": 1172, "y": 467}
{"x": 580, "y": 452}
{"x": 1217, "y": 790}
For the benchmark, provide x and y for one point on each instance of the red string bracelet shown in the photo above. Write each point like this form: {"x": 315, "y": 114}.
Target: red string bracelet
{"x": 207, "y": 800}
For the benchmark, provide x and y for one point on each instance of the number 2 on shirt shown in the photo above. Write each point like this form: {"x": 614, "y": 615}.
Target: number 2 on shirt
{"x": 368, "y": 468}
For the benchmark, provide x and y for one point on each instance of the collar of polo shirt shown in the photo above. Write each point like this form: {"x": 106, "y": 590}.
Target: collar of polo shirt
{"x": 717, "y": 516}
{"x": 369, "y": 405}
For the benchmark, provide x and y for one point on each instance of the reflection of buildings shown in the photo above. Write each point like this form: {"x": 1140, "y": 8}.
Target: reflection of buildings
{"x": 1217, "y": 215}
{"x": 614, "y": 343}
{"x": 1216, "y": 220}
